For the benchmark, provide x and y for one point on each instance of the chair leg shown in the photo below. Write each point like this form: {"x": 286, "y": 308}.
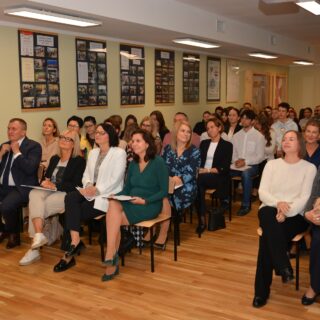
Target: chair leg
{"x": 175, "y": 237}
{"x": 297, "y": 264}
{"x": 90, "y": 231}
{"x": 151, "y": 250}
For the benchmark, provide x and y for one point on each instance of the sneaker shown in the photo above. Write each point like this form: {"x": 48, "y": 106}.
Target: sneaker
{"x": 30, "y": 257}
{"x": 243, "y": 211}
{"x": 39, "y": 240}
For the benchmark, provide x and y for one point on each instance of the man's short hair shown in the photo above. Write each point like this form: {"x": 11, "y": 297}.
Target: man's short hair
{"x": 284, "y": 105}
{"x": 181, "y": 113}
{"x": 248, "y": 114}
{"x": 22, "y": 122}
{"x": 77, "y": 119}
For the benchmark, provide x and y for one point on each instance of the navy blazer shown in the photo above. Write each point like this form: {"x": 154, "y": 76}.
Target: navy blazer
{"x": 24, "y": 168}
{"x": 222, "y": 157}
{"x": 72, "y": 176}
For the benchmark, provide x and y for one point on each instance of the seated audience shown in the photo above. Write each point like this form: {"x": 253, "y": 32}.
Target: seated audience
{"x": 248, "y": 153}
{"x": 180, "y": 116}
{"x": 275, "y": 115}
{"x": 50, "y": 141}
{"x": 130, "y": 119}
{"x": 200, "y": 127}
{"x": 19, "y": 162}
{"x": 312, "y": 214}
{"x": 283, "y": 124}
{"x": 224, "y": 116}
{"x": 103, "y": 176}
{"x": 114, "y": 121}
{"x": 157, "y": 117}
{"x": 63, "y": 175}
{"x": 183, "y": 160}
{"x": 284, "y": 190}
{"x": 148, "y": 125}
{"x": 147, "y": 182}
{"x": 232, "y": 126}
{"x": 87, "y": 141}
{"x": 216, "y": 155}
{"x": 316, "y": 114}
{"x": 311, "y": 137}
{"x": 307, "y": 115}
{"x": 293, "y": 116}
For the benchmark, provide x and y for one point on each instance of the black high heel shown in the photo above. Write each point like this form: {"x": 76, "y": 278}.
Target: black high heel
{"x": 308, "y": 301}
{"x": 161, "y": 246}
{"x": 112, "y": 262}
{"x": 108, "y": 277}
{"x": 75, "y": 250}
{"x": 147, "y": 242}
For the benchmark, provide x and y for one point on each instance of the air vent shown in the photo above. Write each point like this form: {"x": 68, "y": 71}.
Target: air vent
{"x": 220, "y": 26}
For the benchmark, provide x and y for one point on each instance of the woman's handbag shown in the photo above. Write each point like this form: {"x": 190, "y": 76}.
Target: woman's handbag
{"x": 216, "y": 219}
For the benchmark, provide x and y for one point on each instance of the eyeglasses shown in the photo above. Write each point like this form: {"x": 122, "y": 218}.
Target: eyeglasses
{"x": 67, "y": 139}
{"x": 73, "y": 126}
{"x": 146, "y": 125}
{"x": 89, "y": 126}
{"x": 100, "y": 133}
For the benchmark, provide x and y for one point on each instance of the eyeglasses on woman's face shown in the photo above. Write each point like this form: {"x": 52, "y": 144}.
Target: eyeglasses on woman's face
{"x": 64, "y": 138}
{"x": 99, "y": 133}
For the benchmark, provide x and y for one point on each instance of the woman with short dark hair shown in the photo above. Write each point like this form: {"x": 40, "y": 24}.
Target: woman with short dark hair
{"x": 147, "y": 184}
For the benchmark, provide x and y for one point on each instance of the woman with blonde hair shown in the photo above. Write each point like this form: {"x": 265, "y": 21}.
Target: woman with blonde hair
{"x": 62, "y": 176}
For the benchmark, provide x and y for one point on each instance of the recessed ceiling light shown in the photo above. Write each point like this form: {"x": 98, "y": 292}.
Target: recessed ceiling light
{"x": 262, "y": 55}
{"x": 52, "y": 17}
{"x": 303, "y": 63}
{"x": 196, "y": 43}
{"x": 311, "y": 6}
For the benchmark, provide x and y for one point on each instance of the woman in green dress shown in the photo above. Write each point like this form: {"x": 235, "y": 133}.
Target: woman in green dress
{"x": 147, "y": 184}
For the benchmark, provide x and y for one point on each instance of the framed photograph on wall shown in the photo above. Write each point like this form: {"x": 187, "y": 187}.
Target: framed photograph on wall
{"x": 132, "y": 71}
{"x": 213, "y": 78}
{"x": 39, "y": 70}
{"x": 191, "y": 70}
{"x": 92, "y": 88}
{"x": 164, "y": 76}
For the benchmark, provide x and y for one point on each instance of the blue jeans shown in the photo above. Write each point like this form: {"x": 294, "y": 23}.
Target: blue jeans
{"x": 246, "y": 182}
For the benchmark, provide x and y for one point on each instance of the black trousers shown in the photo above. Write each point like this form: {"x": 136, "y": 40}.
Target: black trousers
{"x": 11, "y": 199}
{"x": 210, "y": 181}
{"x": 273, "y": 246}
{"x": 78, "y": 209}
{"x": 315, "y": 260}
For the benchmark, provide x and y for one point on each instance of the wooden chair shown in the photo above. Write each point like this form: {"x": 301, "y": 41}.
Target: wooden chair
{"x": 296, "y": 240}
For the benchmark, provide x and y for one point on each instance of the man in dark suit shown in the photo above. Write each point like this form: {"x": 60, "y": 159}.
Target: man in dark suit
{"x": 19, "y": 161}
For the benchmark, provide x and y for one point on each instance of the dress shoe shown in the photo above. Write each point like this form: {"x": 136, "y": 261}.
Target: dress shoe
{"x": 108, "y": 277}
{"x": 201, "y": 228}
{"x": 286, "y": 275}
{"x": 3, "y": 235}
{"x": 308, "y": 301}
{"x": 258, "y": 302}
{"x": 13, "y": 240}
{"x": 243, "y": 211}
{"x": 75, "y": 250}
{"x": 63, "y": 265}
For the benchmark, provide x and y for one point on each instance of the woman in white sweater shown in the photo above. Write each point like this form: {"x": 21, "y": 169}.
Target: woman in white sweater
{"x": 284, "y": 190}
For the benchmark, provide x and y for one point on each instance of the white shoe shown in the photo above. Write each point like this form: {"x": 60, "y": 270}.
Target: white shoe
{"x": 39, "y": 240}
{"x": 30, "y": 257}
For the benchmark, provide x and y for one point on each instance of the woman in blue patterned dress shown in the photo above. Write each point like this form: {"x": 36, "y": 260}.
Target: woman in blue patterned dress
{"x": 183, "y": 160}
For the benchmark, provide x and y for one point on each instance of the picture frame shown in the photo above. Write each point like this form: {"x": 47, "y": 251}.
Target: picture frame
{"x": 92, "y": 73}
{"x": 39, "y": 70}
{"x": 164, "y": 76}
{"x": 213, "y": 79}
{"x": 132, "y": 75}
{"x": 190, "y": 74}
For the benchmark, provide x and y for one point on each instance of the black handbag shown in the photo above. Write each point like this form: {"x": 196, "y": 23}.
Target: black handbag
{"x": 216, "y": 219}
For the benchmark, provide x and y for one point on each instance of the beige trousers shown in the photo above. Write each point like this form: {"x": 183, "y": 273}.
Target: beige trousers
{"x": 44, "y": 204}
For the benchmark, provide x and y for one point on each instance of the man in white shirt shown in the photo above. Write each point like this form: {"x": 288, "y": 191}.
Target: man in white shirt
{"x": 248, "y": 152}
{"x": 283, "y": 125}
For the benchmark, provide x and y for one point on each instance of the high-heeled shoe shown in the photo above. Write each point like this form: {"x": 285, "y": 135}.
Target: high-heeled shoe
{"x": 75, "y": 250}
{"x": 64, "y": 265}
{"x": 308, "y": 301}
{"x": 108, "y": 277}
{"x": 112, "y": 262}
{"x": 201, "y": 228}
{"x": 147, "y": 242}
{"x": 161, "y": 246}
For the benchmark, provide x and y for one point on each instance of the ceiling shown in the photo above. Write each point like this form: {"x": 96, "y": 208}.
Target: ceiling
{"x": 247, "y": 25}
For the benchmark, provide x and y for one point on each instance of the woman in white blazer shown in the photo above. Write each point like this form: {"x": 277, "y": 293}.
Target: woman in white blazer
{"x": 104, "y": 175}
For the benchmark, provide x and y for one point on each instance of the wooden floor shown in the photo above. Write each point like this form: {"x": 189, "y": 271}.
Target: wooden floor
{"x": 212, "y": 279}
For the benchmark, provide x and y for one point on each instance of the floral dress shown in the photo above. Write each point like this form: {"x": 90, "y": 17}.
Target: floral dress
{"x": 185, "y": 167}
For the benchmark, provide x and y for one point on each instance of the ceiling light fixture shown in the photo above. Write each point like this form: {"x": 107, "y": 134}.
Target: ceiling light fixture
{"x": 311, "y": 6}
{"x": 196, "y": 43}
{"x": 262, "y": 55}
{"x": 52, "y": 17}
{"x": 303, "y": 63}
